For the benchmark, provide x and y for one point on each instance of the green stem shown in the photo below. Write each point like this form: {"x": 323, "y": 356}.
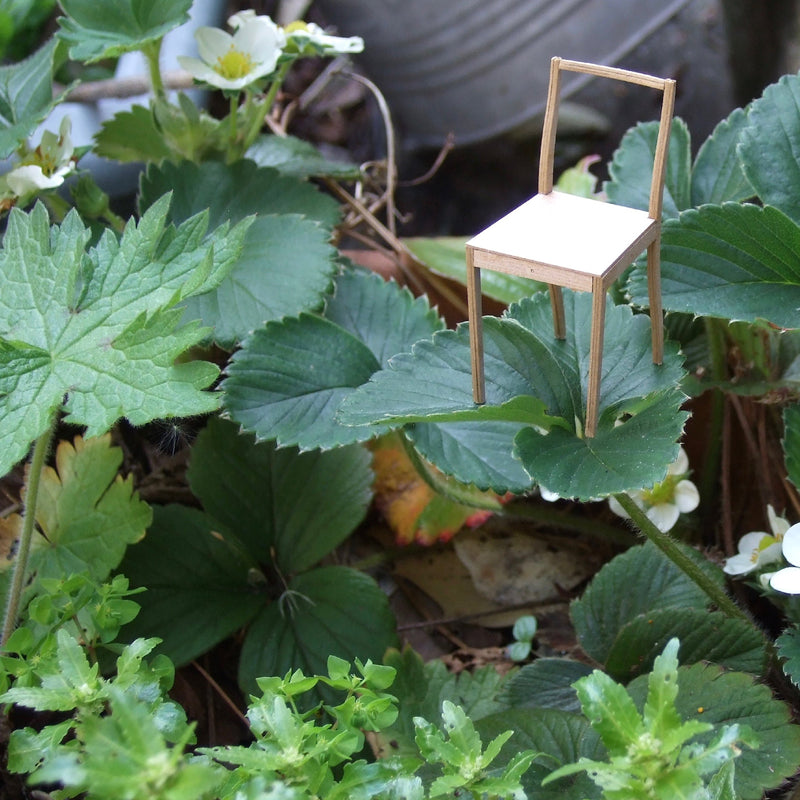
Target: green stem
{"x": 670, "y": 548}
{"x": 152, "y": 52}
{"x": 709, "y": 480}
{"x": 40, "y": 450}
{"x": 234, "y": 107}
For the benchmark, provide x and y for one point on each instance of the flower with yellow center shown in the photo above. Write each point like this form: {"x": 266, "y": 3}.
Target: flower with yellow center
{"x": 234, "y": 61}
{"x": 758, "y": 548}
{"x": 44, "y": 167}
{"x": 666, "y": 501}
{"x": 308, "y": 39}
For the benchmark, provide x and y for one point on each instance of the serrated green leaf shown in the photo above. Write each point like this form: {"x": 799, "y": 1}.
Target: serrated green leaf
{"x": 27, "y": 747}
{"x": 711, "y": 695}
{"x": 26, "y": 97}
{"x": 631, "y": 168}
{"x": 704, "y": 635}
{"x": 660, "y": 717}
{"x": 383, "y": 315}
{"x": 717, "y": 175}
{"x": 636, "y": 583}
{"x": 788, "y": 644}
{"x": 475, "y": 453}
{"x": 252, "y": 490}
{"x": 770, "y": 145}
{"x": 329, "y": 610}
{"x": 624, "y": 458}
{"x": 198, "y": 583}
{"x": 86, "y": 511}
{"x": 446, "y": 256}
{"x": 558, "y": 737}
{"x": 737, "y": 262}
{"x": 293, "y": 156}
{"x": 791, "y": 443}
{"x": 289, "y": 378}
{"x": 286, "y": 263}
{"x": 546, "y": 683}
{"x": 99, "y": 328}
{"x": 123, "y": 26}
{"x": 131, "y": 135}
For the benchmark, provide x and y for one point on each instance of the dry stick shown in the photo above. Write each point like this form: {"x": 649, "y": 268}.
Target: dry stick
{"x": 93, "y": 91}
{"x": 752, "y": 444}
{"x": 725, "y": 481}
{"x": 222, "y": 693}
{"x": 440, "y": 628}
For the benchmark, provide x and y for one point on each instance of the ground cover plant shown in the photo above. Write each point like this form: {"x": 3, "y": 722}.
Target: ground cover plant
{"x": 221, "y": 308}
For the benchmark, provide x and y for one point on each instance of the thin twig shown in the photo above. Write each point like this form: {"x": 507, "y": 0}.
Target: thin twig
{"x": 222, "y": 693}
{"x": 120, "y": 88}
{"x": 725, "y": 483}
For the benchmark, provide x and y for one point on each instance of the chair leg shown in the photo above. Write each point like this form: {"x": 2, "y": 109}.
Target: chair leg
{"x": 595, "y": 356}
{"x": 654, "y": 291}
{"x": 557, "y": 304}
{"x": 474, "y": 311}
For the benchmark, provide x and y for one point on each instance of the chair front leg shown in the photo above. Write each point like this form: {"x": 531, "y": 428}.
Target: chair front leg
{"x": 557, "y": 304}
{"x": 595, "y": 356}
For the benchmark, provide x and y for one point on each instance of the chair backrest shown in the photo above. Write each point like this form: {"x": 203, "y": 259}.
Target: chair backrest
{"x": 665, "y": 85}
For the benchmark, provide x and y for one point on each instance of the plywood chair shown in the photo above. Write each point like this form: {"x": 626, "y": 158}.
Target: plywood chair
{"x": 575, "y": 242}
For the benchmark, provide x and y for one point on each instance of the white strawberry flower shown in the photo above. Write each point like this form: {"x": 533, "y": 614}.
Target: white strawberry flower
{"x": 758, "y": 548}
{"x": 234, "y": 61}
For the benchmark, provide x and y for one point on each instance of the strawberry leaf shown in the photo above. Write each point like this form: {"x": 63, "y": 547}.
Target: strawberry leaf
{"x": 96, "y": 333}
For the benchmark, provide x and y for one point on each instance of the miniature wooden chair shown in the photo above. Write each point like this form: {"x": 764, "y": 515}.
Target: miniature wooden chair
{"x": 575, "y": 242}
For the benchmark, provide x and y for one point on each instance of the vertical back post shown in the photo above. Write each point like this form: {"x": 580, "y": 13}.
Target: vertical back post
{"x": 662, "y": 148}
{"x": 548, "y": 151}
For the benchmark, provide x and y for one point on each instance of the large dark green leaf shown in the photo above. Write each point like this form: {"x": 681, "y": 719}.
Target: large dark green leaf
{"x": 631, "y": 168}
{"x": 532, "y": 379}
{"x": 289, "y": 377}
{"x": 287, "y": 262}
{"x": 791, "y": 443}
{"x": 559, "y": 737}
{"x": 327, "y": 611}
{"x": 717, "y": 176}
{"x": 704, "y": 636}
{"x": 724, "y": 698}
{"x": 737, "y": 262}
{"x": 198, "y": 583}
{"x": 285, "y": 506}
{"x": 770, "y": 149}
{"x": 478, "y": 453}
{"x": 293, "y": 156}
{"x": 635, "y": 584}
{"x": 123, "y": 25}
{"x": 26, "y": 97}
{"x": 546, "y": 683}
{"x": 386, "y": 317}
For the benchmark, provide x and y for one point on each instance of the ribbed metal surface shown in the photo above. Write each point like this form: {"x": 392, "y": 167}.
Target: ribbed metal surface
{"x": 480, "y": 67}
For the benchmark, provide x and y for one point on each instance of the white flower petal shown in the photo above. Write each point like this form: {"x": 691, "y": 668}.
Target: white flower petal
{"x": 786, "y": 580}
{"x": 739, "y": 564}
{"x": 212, "y": 43}
{"x": 241, "y": 18}
{"x": 30, "y": 179}
{"x": 686, "y": 498}
{"x": 770, "y": 554}
{"x": 791, "y": 545}
{"x": 547, "y": 495}
{"x": 663, "y": 516}
{"x": 680, "y": 465}
{"x": 778, "y": 525}
{"x": 614, "y": 505}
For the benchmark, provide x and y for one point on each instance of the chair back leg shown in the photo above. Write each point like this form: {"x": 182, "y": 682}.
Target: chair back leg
{"x": 557, "y": 304}
{"x": 595, "y": 356}
{"x": 475, "y": 316}
{"x": 654, "y": 292}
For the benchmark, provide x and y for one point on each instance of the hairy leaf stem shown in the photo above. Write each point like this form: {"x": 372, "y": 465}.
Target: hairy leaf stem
{"x": 40, "y": 450}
